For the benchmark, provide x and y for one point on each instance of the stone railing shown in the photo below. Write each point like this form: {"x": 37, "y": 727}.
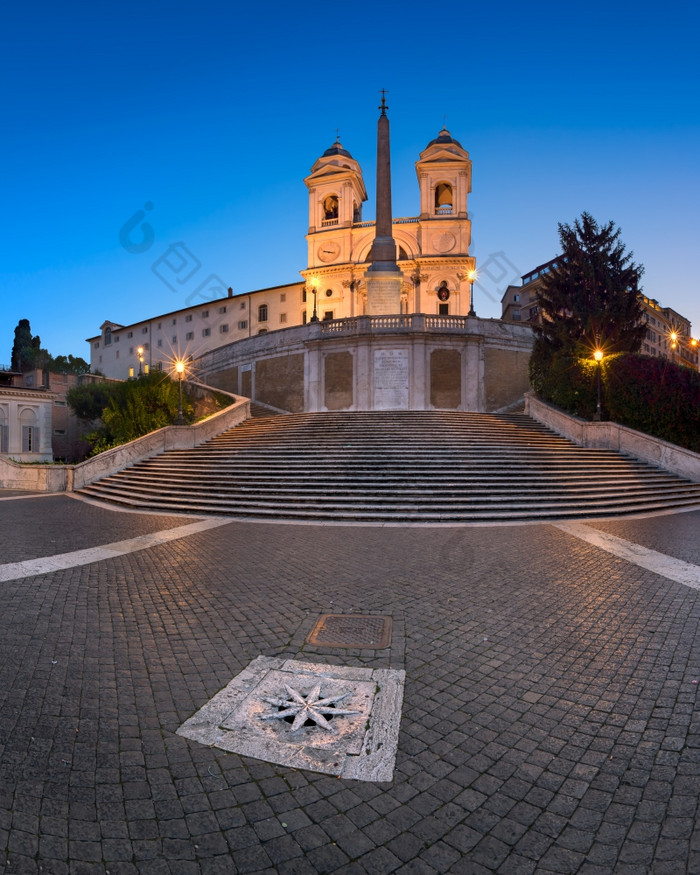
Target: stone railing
{"x": 611, "y": 436}
{"x": 66, "y": 478}
{"x": 399, "y": 323}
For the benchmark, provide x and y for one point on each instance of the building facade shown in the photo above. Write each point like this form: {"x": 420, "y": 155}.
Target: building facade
{"x": 668, "y": 335}
{"x": 432, "y": 254}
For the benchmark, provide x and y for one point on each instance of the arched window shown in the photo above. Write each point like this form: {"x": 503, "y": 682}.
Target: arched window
{"x": 262, "y": 313}
{"x": 330, "y": 207}
{"x": 443, "y": 198}
{"x": 30, "y": 431}
{"x": 108, "y": 336}
{"x": 4, "y": 437}
{"x": 356, "y": 212}
{"x": 402, "y": 254}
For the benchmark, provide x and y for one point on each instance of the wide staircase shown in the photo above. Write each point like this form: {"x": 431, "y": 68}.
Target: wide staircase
{"x": 428, "y": 466}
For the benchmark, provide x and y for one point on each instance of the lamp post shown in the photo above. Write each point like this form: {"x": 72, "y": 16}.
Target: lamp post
{"x": 139, "y": 353}
{"x": 598, "y": 356}
{"x": 472, "y": 276}
{"x": 314, "y": 292}
{"x": 180, "y": 370}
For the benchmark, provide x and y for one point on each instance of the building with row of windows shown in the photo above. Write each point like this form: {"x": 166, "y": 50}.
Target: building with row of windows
{"x": 669, "y": 334}
{"x": 432, "y": 251}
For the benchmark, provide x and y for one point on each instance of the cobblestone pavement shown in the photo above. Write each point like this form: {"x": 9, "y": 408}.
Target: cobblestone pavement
{"x": 550, "y": 720}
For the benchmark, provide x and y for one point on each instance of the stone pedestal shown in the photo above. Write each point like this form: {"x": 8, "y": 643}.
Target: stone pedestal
{"x": 383, "y": 292}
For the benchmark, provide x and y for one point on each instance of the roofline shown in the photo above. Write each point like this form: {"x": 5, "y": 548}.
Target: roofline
{"x": 214, "y": 301}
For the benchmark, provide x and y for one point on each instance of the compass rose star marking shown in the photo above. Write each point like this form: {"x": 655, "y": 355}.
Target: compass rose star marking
{"x": 310, "y": 707}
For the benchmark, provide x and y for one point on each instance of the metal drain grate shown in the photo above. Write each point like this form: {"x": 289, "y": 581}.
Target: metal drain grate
{"x": 351, "y": 630}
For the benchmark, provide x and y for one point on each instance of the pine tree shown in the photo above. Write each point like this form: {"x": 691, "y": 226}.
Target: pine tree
{"x": 591, "y": 297}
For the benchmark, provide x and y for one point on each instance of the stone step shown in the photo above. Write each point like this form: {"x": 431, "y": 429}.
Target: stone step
{"x": 424, "y": 467}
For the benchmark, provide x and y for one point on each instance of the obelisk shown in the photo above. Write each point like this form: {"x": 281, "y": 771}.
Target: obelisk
{"x": 383, "y": 276}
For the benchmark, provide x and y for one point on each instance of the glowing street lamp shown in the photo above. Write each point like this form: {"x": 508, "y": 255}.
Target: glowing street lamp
{"x": 471, "y": 276}
{"x": 139, "y": 353}
{"x": 598, "y": 356}
{"x": 179, "y": 370}
{"x": 314, "y": 291}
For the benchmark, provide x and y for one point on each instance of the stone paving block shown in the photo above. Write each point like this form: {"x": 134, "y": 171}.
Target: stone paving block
{"x": 505, "y": 744}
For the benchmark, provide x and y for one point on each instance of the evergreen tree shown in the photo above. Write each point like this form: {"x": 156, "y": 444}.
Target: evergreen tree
{"x": 591, "y": 297}
{"x": 27, "y": 352}
{"x": 22, "y": 345}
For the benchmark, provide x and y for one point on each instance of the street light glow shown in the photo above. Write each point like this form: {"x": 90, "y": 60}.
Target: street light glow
{"x": 598, "y": 355}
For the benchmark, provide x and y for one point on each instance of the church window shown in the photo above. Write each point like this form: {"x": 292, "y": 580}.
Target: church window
{"x": 329, "y": 293}
{"x": 443, "y": 309}
{"x": 356, "y": 212}
{"x": 330, "y": 209}
{"x": 108, "y": 336}
{"x": 262, "y": 313}
{"x": 443, "y": 198}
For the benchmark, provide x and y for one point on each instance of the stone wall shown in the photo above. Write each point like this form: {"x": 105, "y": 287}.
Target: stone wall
{"x": 413, "y": 362}
{"x": 505, "y": 376}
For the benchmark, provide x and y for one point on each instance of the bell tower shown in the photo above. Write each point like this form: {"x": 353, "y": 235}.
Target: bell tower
{"x": 445, "y": 268}
{"x": 336, "y": 194}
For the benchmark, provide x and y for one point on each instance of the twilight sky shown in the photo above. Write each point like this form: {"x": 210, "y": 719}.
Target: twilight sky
{"x": 207, "y": 118}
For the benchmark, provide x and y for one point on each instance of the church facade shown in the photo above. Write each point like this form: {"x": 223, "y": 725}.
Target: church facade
{"x": 432, "y": 254}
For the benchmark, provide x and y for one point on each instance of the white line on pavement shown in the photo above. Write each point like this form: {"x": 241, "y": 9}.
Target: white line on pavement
{"x": 674, "y": 569}
{"x": 62, "y": 561}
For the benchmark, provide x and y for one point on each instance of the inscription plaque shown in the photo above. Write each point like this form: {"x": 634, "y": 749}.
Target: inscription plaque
{"x": 391, "y": 379}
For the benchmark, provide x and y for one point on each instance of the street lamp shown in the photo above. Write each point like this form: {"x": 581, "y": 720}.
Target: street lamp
{"x": 179, "y": 370}
{"x": 598, "y": 356}
{"x": 314, "y": 291}
{"x": 139, "y": 353}
{"x": 471, "y": 276}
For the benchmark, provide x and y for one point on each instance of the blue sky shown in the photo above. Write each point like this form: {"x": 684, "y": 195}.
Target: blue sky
{"x": 214, "y": 115}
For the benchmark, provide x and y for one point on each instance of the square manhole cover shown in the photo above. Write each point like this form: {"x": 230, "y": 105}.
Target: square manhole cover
{"x": 339, "y": 720}
{"x": 351, "y": 630}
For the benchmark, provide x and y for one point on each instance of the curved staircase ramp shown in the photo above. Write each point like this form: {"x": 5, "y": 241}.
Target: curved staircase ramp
{"x": 426, "y": 466}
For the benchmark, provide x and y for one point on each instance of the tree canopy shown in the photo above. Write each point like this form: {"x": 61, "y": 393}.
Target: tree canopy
{"x": 590, "y": 297}
{"x": 28, "y": 354}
